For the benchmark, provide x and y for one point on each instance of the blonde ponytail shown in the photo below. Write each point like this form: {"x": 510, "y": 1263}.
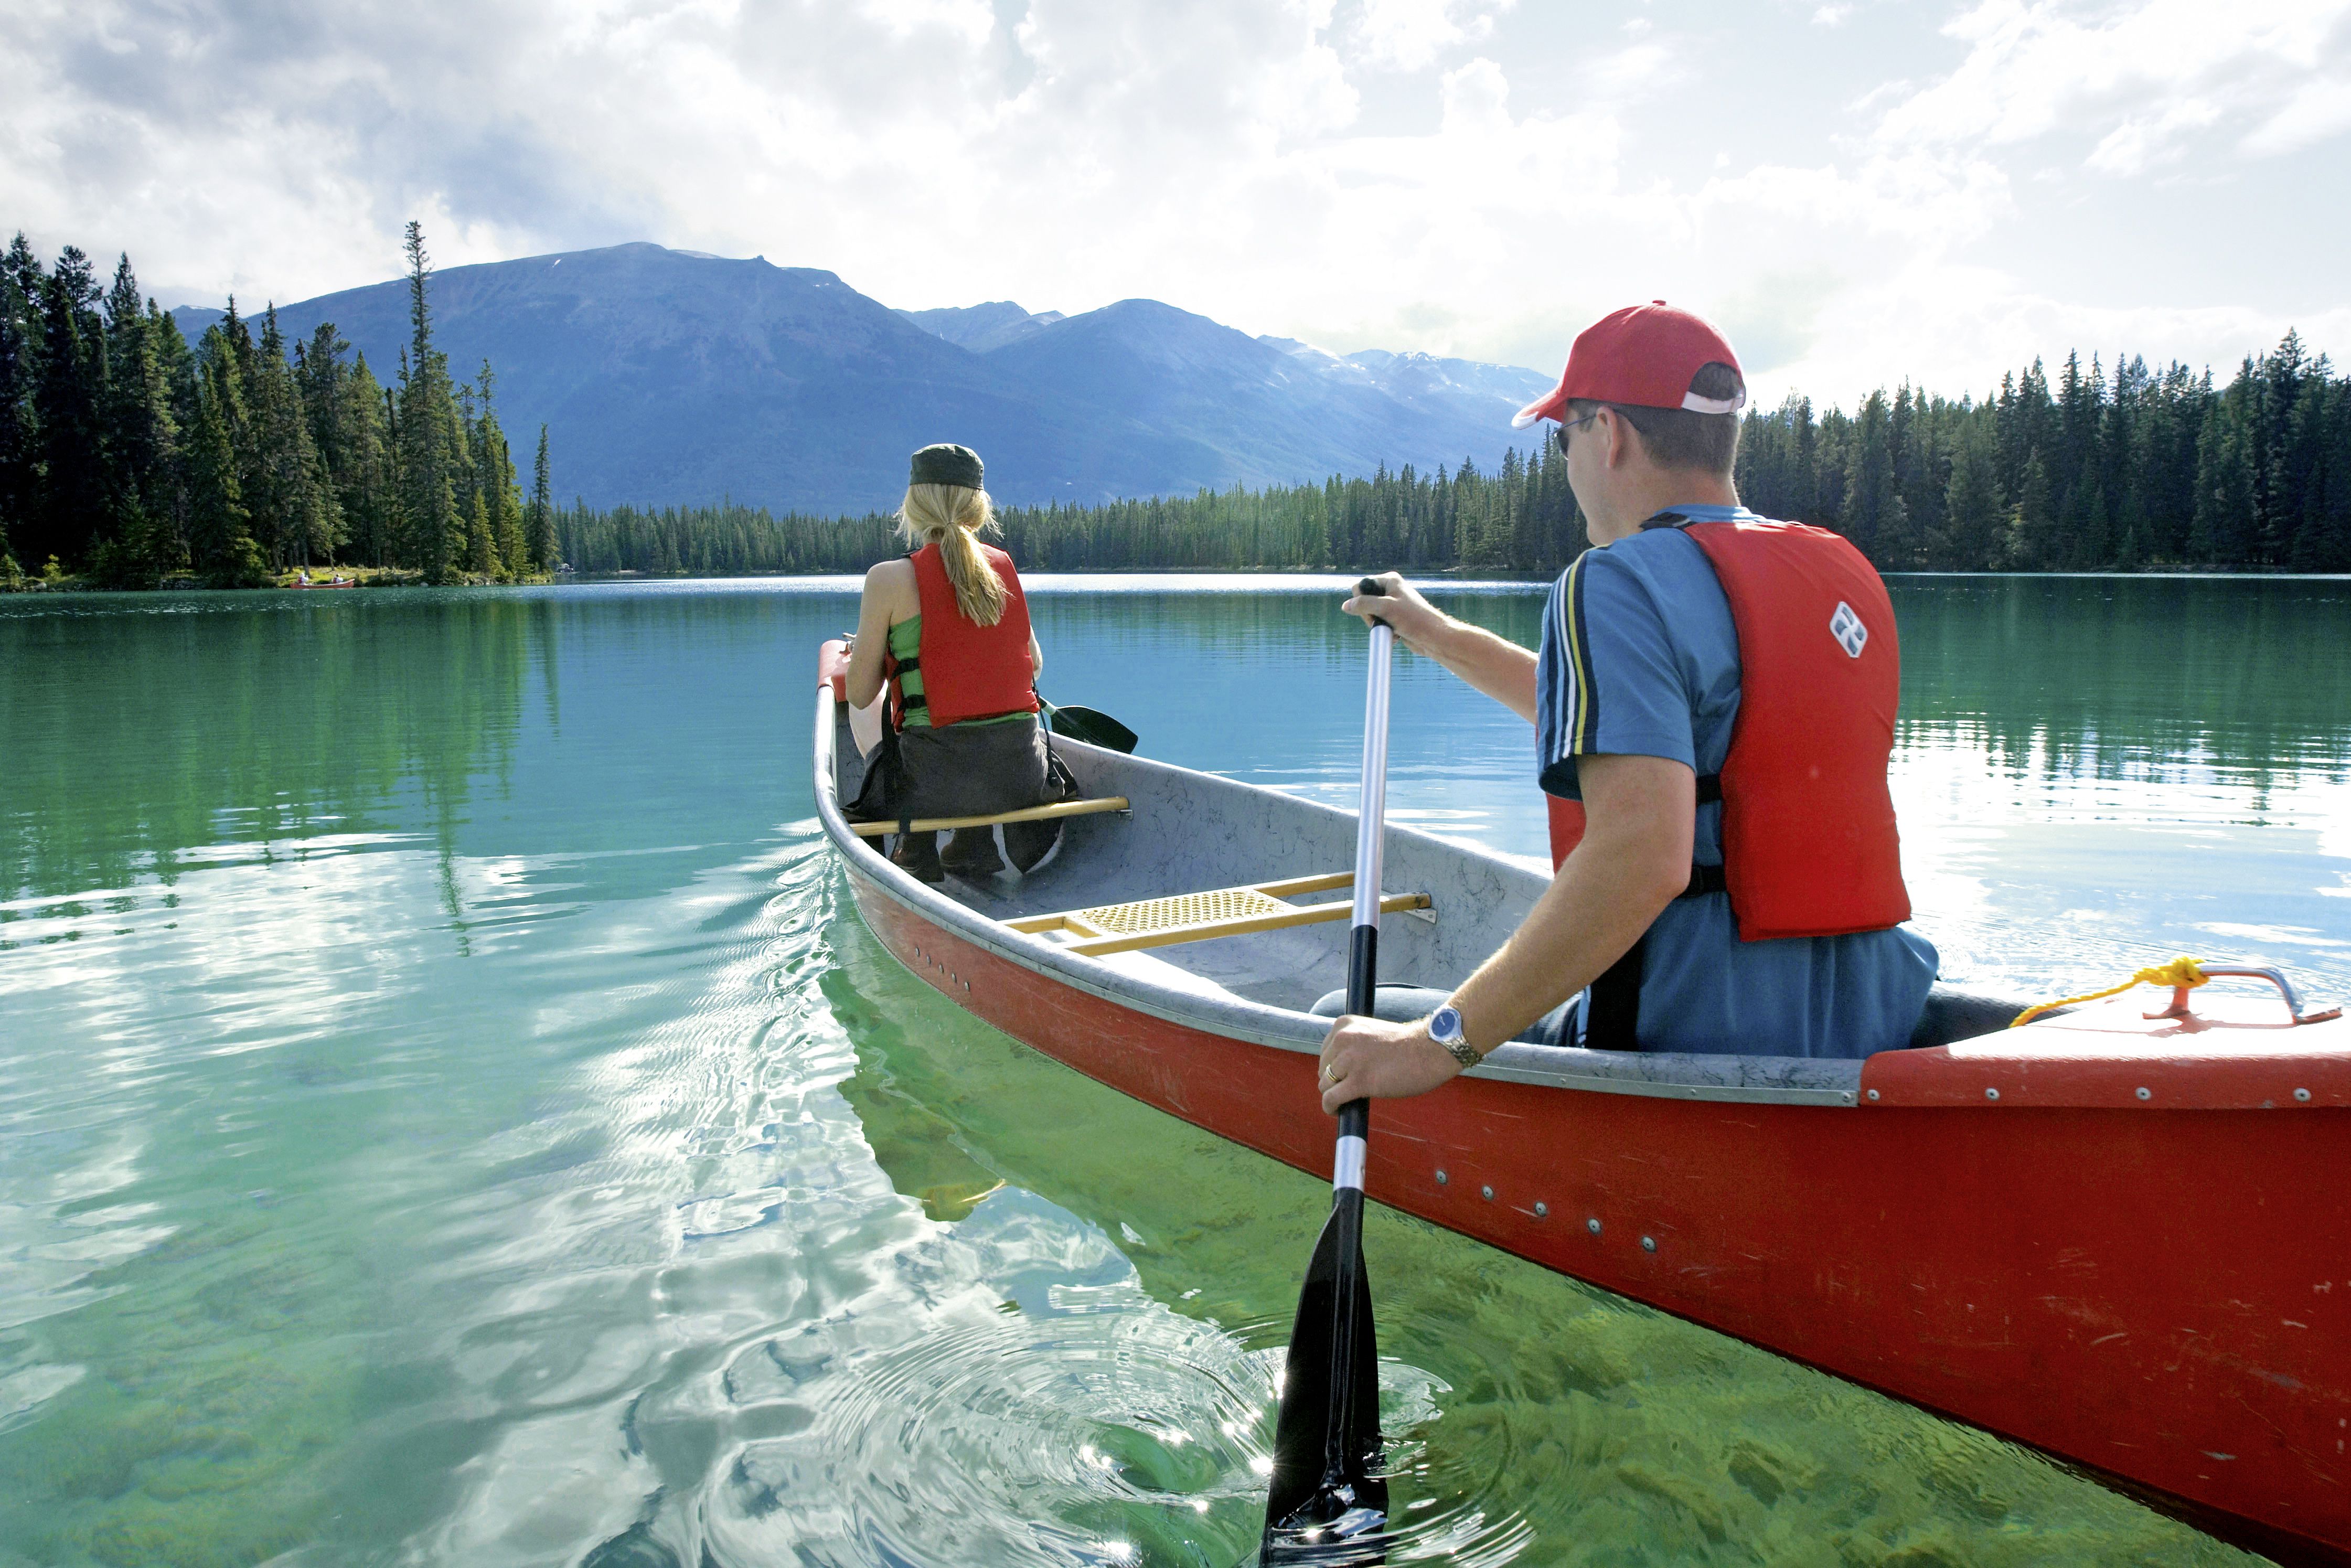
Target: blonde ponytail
{"x": 953, "y": 517}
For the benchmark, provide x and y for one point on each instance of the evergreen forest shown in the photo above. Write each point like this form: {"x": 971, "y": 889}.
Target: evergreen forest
{"x": 130, "y": 459}
{"x": 2138, "y": 469}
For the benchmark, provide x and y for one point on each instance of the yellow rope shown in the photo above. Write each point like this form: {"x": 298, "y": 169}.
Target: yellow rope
{"x": 2185, "y": 972}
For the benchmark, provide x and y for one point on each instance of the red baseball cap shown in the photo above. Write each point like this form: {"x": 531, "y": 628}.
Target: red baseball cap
{"x": 1646, "y": 355}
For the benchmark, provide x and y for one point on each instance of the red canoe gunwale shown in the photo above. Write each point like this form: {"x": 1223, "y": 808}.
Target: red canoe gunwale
{"x": 2124, "y": 1242}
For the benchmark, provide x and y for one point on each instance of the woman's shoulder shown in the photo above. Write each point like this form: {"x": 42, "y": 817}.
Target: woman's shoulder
{"x": 891, "y": 585}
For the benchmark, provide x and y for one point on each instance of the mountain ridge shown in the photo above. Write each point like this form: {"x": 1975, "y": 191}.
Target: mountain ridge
{"x": 667, "y": 378}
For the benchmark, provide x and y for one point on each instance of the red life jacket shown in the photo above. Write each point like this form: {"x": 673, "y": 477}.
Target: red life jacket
{"x": 1809, "y": 842}
{"x": 970, "y": 670}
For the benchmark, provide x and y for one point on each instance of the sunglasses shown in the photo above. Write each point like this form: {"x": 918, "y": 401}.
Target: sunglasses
{"x": 1566, "y": 426}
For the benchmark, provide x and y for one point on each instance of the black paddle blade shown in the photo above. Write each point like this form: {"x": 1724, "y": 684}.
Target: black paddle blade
{"x": 1311, "y": 1517}
{"x": 1095, "y": 728}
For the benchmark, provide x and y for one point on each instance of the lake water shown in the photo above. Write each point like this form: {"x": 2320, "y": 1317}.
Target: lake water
{"x": 450, "y": 1113}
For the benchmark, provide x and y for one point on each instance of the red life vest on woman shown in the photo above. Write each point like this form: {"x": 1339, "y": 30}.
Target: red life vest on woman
{"x": 970, "y": 670}
{"x": 1809, "y": 842}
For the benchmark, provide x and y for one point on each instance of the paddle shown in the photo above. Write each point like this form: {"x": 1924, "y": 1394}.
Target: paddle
{"x": 1324, "y": 1498}
{"x": 1090, "y": 725}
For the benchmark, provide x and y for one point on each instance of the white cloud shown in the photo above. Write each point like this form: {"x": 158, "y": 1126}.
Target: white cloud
{"x": 1219, "y": 155}
{"x": 2144, "y": 139}
{"x": 1476, "y": 100}
{"x": 2317, "y": 109}
{"x": 1410, "y": 35}
{"x": 2138, "y": 79}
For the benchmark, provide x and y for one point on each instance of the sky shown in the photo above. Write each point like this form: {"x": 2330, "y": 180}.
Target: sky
{"x": 1859, "y": 192}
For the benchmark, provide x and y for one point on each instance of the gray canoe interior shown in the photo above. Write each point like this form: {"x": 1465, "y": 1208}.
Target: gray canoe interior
{"x": 1191, "y": 832}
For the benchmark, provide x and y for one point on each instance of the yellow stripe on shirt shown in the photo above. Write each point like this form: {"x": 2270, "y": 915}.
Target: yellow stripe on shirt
{"x": 1579, "y": 661}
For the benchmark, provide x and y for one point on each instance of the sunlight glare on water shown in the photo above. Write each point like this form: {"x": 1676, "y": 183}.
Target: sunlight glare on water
{"x": 449, "y": 1113}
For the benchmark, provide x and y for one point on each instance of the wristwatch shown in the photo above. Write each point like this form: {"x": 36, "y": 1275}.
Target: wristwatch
{"x": 1445, "y": 1029}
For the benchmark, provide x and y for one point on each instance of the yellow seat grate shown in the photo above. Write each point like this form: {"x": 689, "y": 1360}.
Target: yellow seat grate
{"x": 1183, "y": 909}
{"x": 1109, "y": 928}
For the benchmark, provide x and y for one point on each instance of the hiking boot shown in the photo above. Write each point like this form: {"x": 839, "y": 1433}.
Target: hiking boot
{"x": 917, "y": 855}
{"x": 971, "y": 851}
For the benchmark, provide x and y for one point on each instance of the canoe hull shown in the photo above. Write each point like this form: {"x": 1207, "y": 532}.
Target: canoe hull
{"x": 1940, "y": 1254}
{"x": 2131, "y": 1252}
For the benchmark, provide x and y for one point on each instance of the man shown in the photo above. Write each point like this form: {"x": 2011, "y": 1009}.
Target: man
{"x": 1700, "y": 666}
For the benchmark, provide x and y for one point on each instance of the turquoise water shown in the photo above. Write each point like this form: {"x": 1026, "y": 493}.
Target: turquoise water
{"x": 448, "y": 1112}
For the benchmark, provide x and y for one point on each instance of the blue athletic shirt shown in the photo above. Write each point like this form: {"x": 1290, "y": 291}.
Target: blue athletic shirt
{"x": 1640, "y": 657}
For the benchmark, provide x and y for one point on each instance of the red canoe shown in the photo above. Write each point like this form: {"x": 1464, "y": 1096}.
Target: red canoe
{"x": 2124, "y": 1240}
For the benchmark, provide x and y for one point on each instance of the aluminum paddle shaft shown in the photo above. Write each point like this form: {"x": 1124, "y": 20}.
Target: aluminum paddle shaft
{"x": 1324, "y": 1501}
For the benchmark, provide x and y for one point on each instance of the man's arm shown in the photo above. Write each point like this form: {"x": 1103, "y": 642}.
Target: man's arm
{"x": 1494, "y": 666}
{"x": 1634, "y": 857}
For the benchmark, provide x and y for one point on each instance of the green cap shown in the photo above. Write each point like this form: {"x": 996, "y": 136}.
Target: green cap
{"x": 947, "y": 464}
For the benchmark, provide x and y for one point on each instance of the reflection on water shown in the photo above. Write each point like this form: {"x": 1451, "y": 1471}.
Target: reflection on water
{"x": 447, "y": 1114}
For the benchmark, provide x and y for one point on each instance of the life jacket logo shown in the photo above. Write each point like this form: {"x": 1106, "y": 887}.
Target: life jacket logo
{"x": 1848, "y": 629}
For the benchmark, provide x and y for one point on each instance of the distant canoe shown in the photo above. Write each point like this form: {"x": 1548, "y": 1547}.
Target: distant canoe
{"x": 339, "y": 582}
{"x": 2124, "y": 1241}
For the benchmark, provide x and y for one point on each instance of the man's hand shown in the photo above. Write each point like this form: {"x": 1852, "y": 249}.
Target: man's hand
{"x": 1500, "y": 669}
{"x": 1415, "y": 622}
{"x": 1368, "y": 1058}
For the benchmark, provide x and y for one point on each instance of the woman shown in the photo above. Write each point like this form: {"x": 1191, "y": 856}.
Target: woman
{"x": 946, "y": 628}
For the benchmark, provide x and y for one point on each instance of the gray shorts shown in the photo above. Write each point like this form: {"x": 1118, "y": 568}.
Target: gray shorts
{"x": 966, "y": 770}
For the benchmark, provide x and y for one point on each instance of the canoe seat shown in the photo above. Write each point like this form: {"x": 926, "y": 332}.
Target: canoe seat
{"x": 1184, "y": 909}
{"x": 1198, "y": 916}
{"x": 1026, "y": 814}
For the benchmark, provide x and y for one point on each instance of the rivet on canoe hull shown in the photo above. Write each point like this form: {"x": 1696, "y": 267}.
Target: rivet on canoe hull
{"x": 1543, "y": 1210}
{"x": 1872, "y": 1094}
{"x": 1441, "y": 1178}
{"x": 1592, "y": 1225}
{"x": 2302, "y": 1094}
{"x": 1648, "y": 1244}
{"x": 2145, "y": 1093}
{"x": 1992, "y": 1093}
{"x": 1487, "y": 1192}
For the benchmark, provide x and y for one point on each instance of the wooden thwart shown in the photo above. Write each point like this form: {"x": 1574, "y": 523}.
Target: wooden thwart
{"x": 1026, "y": 814}
{"x": 1198, "y": 916}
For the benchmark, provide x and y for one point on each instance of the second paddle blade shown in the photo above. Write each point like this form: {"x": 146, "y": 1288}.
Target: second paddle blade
{"x": 1095, "y": 728}
{"x": 1307, "y": 1521}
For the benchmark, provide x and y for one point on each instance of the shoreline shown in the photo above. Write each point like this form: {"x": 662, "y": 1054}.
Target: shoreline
{"x": 396, "y": 577}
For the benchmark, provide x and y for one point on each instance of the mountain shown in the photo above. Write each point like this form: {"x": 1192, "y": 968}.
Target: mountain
{"x": 666, "y": 377}
{"x": 980, "y": 327}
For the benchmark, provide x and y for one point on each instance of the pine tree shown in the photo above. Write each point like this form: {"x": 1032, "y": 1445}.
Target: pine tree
{"x": 295, "y": 519}
{"x": 2227, "y": 485}
{"x": 225, "y": 356}
{"x": 2033, "y": 522}
{"x": 494, "y": 482}
{"x": 1972, "y": 506}
{"x": 20, "y": 345}
{"x": 2327, "y": 509}
{"x": 539, "y": 532}
{"x": 1874, "y": 514}
{"x": 360, "y": 471}
{"x": 142, "y": 441}
{"x": 430, "y": 437}
{"x": 74, "y": 508}
{"x": 220, "y": 536}
{"x": 175, "y": 375}
{"x": 318, "y": 376}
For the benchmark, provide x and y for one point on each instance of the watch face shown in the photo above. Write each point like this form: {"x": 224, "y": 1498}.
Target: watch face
{"x": 1444, "y": 1026}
